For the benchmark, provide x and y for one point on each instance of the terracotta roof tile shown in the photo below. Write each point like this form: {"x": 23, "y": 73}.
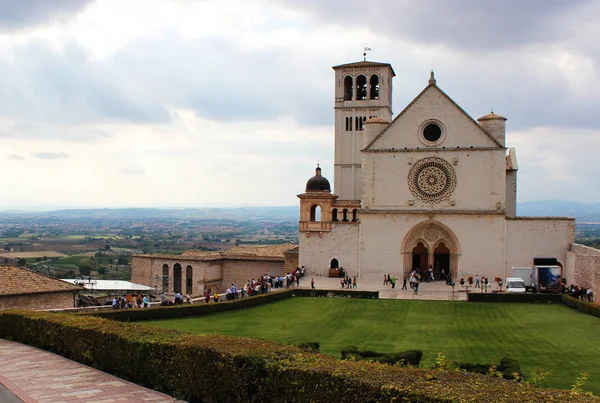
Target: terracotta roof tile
{"x": 17, "y": 281}
{"x": 238, "y": 252}
{"x": 376, "y": 120}
{"x": 491, "y": 116}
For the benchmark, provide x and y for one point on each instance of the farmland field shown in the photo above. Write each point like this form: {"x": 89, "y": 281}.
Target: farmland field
{"x": 30, "y": 255}
{"x": 554, "y": 338}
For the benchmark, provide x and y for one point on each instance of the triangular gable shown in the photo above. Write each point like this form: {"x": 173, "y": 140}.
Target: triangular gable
{"x": 490, "y": 140}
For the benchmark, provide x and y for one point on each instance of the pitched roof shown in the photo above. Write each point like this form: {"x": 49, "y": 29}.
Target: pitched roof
{"x": 254, "y": 252}
{"x": 364, "y": 63}
{"x": 17, "y": 281}
{"x": 432, "y": 83}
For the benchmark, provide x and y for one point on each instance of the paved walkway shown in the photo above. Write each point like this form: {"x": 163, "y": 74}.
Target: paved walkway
{"x": 37, "y": 376}
{"x": 436, "y": 290}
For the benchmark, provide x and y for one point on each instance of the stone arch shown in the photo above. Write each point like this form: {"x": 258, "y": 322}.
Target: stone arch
{"x": 176, "y": 278}
{"x": 432, "y": 234}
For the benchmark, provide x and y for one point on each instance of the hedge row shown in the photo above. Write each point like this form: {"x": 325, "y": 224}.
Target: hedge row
{"x": 581, "y": 306}
{"x": 508, "y": 367}
{"x": 403, "y": 358}
{"x": 343, "y": 293}
{"x": 198, "y": 309}
{"x": 201, "y": 309}
{"x": 513, "y": 297}
{"x": 215, "y": 368}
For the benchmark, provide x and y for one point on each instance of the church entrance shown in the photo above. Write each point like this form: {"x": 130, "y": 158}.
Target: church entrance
{"x": 431, "y": 245}
{"x": 420, "y": 256}
{"x": 441, "y": 261}
{"x": 177, "y": 278}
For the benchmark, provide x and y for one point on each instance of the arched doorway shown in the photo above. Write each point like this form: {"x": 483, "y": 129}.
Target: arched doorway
{"x": 335, "y": 264}
{"x": 188, "y": 280}
{"x": 419, "y": 260}
{"x": 441, "y": 261}
{"x": 177, "y": 278}
{"x": 165, "y": 278}
{"x": 431, "y": 244}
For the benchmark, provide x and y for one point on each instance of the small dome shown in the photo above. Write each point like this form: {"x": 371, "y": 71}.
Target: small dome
{"x": 376, "y": 120}
{"x": 318, "y": 183}
{"x": 491, "y": 116}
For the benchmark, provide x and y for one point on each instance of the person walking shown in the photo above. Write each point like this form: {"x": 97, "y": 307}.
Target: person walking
{"x": 404, "y": 283}
{"x": 312, "y": 283}
{"x": 385, "y": 281}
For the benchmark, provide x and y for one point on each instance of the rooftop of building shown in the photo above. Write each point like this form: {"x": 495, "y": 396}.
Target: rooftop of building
{"x": 254, "y": 252}
{"x": 19, "y": 281}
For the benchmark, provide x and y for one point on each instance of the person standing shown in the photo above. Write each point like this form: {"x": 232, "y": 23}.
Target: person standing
{"x": 312, "y": 283}
{"x": 393, "y": 281}
{"x": 385, "y": 282}
{"x": 404, "y": 283}
{"x": 145, "y": 302}
{"x": 476, "y": 280}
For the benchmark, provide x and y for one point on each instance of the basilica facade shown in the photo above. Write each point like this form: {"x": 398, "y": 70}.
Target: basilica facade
{"x": 430, "y": 188}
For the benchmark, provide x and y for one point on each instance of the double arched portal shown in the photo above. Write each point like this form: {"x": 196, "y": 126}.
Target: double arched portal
{"x": 431, "y": 245}
{"x": 177, "y": 278}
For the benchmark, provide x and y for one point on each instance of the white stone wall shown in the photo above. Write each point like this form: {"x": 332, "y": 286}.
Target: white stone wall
{"x": 480, "y": 242}
{"x": 317, "y": 249}
{"x": 536, "y": 237}
{"x": 480, "y": 180}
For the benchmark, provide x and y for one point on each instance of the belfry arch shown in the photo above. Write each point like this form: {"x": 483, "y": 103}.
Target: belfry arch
{"x": 431, "y": 244}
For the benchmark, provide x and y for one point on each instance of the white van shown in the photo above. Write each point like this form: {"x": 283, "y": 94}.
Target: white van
{"x": 515, "y": 284}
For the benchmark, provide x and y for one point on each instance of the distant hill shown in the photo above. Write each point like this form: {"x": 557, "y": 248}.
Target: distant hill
{"x": 237, "y": 213}
{"x": 580, "y": 211}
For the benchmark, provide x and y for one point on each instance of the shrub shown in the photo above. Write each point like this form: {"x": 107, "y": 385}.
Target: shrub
{"x": 513, "y": 297}
{"x": 215, "y": 368}
{"x": 410, "y": 357}
{"x": 342, "y": 293}
{"x": 310, "y": 346}
{"x": 508, "y": 367}
{"x": 581, "y": 306}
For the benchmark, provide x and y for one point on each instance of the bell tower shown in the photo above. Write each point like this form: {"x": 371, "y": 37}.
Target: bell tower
{"x": 363, "y": 90}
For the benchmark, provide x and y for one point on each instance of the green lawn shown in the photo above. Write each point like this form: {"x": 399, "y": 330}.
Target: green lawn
{"x": 555, "y": 338}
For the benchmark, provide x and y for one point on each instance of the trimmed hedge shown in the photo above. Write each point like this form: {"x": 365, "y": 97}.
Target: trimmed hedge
{"x": 179, "y": 311}
{"x": 310, "y": 346}
{"x": 513, "y": 297}
{"x": 581, "y": 306}
{"x": 410, "y": 357}
{"x": 508, "y": 367}
{"x": 342, "y": 293}
{"x": 215, "y": 368}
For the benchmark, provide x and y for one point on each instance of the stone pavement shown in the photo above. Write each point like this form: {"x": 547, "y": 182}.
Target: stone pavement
{"x": 37, "y": 376}
{"x": 436, "y": 290}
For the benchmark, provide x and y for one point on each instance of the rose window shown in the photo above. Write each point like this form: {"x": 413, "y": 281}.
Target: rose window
{"x": 432, "y": 180}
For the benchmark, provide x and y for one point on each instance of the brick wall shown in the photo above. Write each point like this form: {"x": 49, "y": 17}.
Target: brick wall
{"x": 54, "y": 300}
{"x": 583, "y": 265}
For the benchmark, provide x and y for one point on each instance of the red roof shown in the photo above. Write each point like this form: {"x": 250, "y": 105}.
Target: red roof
{"x": 17, "y": 281}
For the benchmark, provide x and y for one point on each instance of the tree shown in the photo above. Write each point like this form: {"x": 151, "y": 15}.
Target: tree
{"x": 102, "y": 270}
{"x": 107, "y": 247}
{"x": 21, "y": 262}
{"x": 85, "y": 266}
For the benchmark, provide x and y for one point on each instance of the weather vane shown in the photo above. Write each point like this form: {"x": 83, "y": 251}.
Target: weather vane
{"x": 365, "y": 50}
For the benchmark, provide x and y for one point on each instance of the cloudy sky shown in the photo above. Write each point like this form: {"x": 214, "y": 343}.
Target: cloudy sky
{"x": 172, "y": 103}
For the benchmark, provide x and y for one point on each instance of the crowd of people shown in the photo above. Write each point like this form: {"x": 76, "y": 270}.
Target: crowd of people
{"x": 129, "y": 301}
{"x": 346, "y": 282}
{"x": 582, "y": 293}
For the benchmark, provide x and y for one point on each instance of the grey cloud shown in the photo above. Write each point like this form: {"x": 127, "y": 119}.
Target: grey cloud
{"x": 19, "y": 14}
{"x": 222, "y": 82}
{"x": 15, "y": 157}
{"x": 467, "y": 24}
{"x": 37, "y": 84}
{"x": 50, "y": 155}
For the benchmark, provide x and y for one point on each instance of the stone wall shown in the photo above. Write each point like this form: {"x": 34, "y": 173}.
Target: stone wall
{"x": 583, "y": 267}
{"x": 238, "y": 272}
{"x": 317, "y": 249}
{"x": 529, "y": 237}
{"x": 54, "y": 300}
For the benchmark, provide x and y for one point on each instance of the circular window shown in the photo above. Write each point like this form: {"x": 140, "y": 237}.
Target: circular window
{"x": 432, "y": 180}
{"x": 431, "y": 133}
